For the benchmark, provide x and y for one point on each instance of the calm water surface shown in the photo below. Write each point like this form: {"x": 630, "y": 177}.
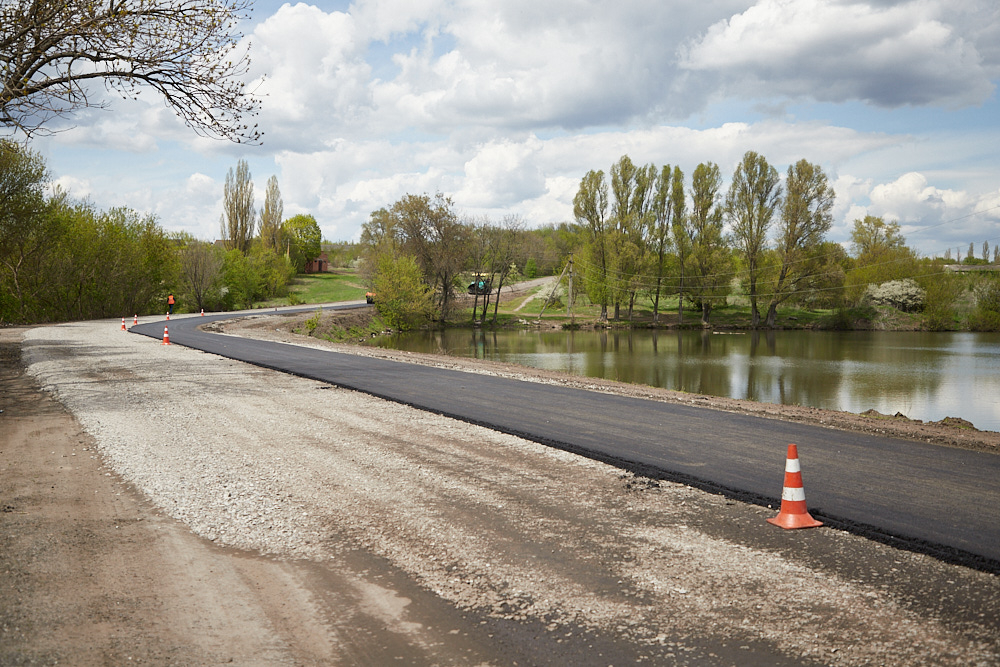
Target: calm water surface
{"x": 924, "y": 375}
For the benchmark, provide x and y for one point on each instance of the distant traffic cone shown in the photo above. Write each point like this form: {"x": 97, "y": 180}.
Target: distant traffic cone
{"x": 168, "y": 317}
{"x": 123, "y": 324}
{"x": 135, "y": 319}
{"x": 793, "y": 512}
{"x": 203, "y": 312}
{"x": 166, "y": 341}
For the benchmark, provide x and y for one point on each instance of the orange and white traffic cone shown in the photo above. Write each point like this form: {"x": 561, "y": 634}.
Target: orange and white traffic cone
{"x": 123, "y": 324}
{"x": 793, "y": 512}
{"x": 168, "y": 317}
{"x": 166, "y": 336}
{"x": 135, "y": 319}
{"x": 203, "y": 312}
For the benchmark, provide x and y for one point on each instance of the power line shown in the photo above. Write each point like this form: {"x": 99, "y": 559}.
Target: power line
{"x": 672, "y": 287}
{"x": 741, "y": 273}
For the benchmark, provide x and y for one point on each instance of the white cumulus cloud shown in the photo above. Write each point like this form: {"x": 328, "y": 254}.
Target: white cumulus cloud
{"x": 502, "y": 174}
{"x": 504, "y": 106}
{"x": 829, "y": 50}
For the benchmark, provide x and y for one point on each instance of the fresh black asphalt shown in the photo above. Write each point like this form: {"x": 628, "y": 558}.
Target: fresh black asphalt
{"x": 927, "y": 498}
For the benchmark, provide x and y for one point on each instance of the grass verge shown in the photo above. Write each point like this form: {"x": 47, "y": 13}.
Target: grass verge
{"x": 343, "y": 285}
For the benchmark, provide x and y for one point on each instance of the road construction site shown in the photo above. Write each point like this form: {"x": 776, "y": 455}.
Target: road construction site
{"x": 263, "y": 518}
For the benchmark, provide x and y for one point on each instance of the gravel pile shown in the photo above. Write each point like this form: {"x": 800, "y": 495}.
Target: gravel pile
{"x": 281, "y": 465}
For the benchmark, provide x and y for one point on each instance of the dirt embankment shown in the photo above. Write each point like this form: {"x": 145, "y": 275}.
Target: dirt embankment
{"x": 951, "y": 432}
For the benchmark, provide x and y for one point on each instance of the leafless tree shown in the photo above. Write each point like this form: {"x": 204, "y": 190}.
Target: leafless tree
{"x": 186, "y": 50}
{"x": 480, "y": 233}
{"x": 504, "y": 254}
{"x": 200, "y": 265}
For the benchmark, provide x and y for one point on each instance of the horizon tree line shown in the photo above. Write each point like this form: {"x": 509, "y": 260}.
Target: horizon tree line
{"x": 62, "y": 259}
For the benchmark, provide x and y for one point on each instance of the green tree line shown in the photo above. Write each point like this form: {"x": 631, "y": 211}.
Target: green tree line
{"x": 62, "y": 259}
{"x": 763, "y": 240}
{"x": 645, "y": 235}
{"x": 641, "y": 234}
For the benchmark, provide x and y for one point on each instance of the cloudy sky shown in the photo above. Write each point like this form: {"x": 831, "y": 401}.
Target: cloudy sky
{"x": 505, "y": 104}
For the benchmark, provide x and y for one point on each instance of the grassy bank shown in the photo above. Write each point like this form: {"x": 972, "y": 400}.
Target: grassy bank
{"x": 342, "y": 285}
{"x": 526, "y": 309}
{"x": 521, "y": 309}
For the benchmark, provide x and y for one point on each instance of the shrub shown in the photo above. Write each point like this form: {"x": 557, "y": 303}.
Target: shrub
{"x": 940, "y": 319}
{"x": 401, "y": 297}
{"x": 313, "y": 321}
{"x": 987, "y": 295}
{"x": 943, "y": 293}
{"x": 848, "y": 319}
{"x": 905, "y": 295}
{"x": 986, "y": 316}
{"x": 531, "y": 268}
{"x": 984, "y": 320}
{"x": 839, "y": 320}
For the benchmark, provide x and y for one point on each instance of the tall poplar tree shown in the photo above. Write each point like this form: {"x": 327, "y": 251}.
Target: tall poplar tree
{"x": 806, "y": 217}
{"x": 270, "y": 216}
{"x": 632, "y": 199}
{"x": 752, "y": 200}
{"x": 711, "y": 261}
{"x": 663, "y": 211}
{"x": 590, "y": 209}
{"x": 238, "y": 214}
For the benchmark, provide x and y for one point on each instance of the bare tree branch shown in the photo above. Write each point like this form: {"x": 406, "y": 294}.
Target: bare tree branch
{"x": 187, "y": 50}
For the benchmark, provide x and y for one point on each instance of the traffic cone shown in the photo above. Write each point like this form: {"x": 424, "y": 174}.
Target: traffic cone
{"x": 793, "y": 512}
{"x": 123, "y": 324}
{"x": 168, "y": 317}
{"x": 135, "y": 320}
{"x": 166, "y": 341}
{"x": 203, "y": 312}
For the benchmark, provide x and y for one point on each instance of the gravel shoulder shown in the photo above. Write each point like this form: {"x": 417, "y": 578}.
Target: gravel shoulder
{"x": 338, "y": 528}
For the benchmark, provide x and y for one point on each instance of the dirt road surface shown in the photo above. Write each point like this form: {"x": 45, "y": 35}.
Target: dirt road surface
{"x": 163, "y": 506}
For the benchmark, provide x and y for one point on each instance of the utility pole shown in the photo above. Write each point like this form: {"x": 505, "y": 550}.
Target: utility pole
{"x": 680, "y": 298}
{"x": 570, "y": 295}
{"x": 555, "y": 287}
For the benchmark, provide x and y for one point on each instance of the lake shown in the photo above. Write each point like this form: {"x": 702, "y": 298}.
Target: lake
{"x": 924, "y": 375}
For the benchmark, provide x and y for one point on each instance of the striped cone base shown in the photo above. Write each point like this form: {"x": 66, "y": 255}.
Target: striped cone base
{"x": 793, "y": 512}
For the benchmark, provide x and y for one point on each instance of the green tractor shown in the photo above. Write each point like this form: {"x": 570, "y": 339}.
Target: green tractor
{"x": 480, "y": 286}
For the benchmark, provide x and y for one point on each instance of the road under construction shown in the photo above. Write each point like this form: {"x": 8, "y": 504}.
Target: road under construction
{"x": 926, "y": 498}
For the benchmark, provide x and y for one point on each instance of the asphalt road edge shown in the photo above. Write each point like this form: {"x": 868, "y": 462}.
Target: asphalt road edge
{"x": 941, "y": 552}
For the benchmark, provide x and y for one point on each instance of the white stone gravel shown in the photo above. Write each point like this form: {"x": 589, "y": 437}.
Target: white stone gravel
{"x": 269, "y": 462}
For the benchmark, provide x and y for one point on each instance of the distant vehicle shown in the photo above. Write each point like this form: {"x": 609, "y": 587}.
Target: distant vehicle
{"x": 370, "y": 297}
{"x": 480, "y": 287}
